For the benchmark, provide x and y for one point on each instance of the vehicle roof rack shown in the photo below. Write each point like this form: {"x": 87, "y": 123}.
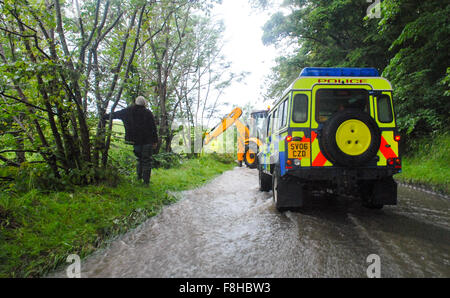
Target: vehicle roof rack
{"x": 339, "y": 72}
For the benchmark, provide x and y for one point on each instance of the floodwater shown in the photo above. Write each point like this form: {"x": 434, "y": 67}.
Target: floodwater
{"x": 228, "y": 228}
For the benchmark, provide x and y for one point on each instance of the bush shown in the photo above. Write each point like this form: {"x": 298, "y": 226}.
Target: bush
{"x": 36, "y": 176}
{"x": 41, "y": 177}
{"x": 166, "y": 160}
{"x": 427, "y": 163}
{"x": 226, "y": 158}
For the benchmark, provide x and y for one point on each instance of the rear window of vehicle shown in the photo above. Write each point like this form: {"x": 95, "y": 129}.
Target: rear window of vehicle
{"x": 330, "y": 101}
{"x": 300, "y": 110}
{"x": 384, "y": 109}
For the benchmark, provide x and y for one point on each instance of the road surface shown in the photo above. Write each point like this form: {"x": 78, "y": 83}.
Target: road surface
{"x": 228, "y": 228}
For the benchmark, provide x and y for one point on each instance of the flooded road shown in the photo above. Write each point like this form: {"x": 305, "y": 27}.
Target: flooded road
{"x": 228, "y": 228}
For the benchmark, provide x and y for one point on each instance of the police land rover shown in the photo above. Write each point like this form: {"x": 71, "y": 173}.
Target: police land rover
{"x": 333, "y": 129}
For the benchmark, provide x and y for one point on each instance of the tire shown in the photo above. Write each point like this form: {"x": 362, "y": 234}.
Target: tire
{"x": 350, "y": 138}
{"x": 276, "y": 185}
{"x": 250, "y": 155}
{"x": 265, "y": 180}
{"x": 373, "y": 193}
{"x": 366, "y": 193}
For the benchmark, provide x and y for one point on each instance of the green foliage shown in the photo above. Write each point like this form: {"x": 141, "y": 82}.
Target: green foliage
{"x": 166, "y": 160}
{"x": 64, "y": 64}
{"x": 36, "y": 176}
{"x": 428, "y": 164}
{"x": 40, "y": 177}
{"x": 227, "y": 158}
{"x": 418, "y": 68}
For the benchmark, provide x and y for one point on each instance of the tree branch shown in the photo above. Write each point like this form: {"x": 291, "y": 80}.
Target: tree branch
{"x": 17, "y": 150}
{"x": 9, "y": 162}
{"x": 23, "y": 101}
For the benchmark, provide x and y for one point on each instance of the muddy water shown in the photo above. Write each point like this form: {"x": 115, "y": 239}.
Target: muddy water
{"x": 229, "y": 229}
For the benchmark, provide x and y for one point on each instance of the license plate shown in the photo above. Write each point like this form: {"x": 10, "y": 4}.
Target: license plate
{"x": 298, "y": 149}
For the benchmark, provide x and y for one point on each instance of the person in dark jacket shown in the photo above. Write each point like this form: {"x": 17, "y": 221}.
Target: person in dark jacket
{"x": 140, "y": 130}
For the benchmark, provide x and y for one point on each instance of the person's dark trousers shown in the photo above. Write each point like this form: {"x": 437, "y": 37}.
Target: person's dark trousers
{"x": 144, "y": 161}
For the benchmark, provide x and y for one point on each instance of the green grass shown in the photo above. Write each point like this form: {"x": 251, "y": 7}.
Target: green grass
{"x": 39, "y": 230}
{"x": 429, "y": 164}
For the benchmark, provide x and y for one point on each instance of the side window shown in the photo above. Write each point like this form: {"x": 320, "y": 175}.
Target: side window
{"x": 285, "y": 113}
{"x": 300, "y": 110}
{"x": 275, "y": 120}
{"x": 384, "y": 109}
{"x": 269, "y": 123}
{"x": 280, "y": 116}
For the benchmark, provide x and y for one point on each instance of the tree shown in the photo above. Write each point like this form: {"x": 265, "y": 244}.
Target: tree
{"x": 419, "y": 63}
{"x": 181, "y": 56}
{"x": 66, "y": 63}
{"x": 48, "y": 57}
{"x": 408, "y": 44}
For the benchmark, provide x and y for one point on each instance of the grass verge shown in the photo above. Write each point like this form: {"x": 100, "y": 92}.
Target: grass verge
{"x": 39, "y": 230}
{"x": 429, "y": 164}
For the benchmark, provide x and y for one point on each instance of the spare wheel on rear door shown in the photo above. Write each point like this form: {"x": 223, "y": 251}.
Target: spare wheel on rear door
{"x": 350, "y": 138}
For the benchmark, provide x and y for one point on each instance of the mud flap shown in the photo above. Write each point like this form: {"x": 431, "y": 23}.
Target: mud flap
{"x": 291, "y": 193}
{"x": 385, "y": 192}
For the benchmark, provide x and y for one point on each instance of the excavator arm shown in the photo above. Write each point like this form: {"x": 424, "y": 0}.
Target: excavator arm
{"x": 247, "y": 147}
{"x": 225, "y": 123}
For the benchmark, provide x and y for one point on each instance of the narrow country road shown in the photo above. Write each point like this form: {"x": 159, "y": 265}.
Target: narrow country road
{"x": 228, "y": 228}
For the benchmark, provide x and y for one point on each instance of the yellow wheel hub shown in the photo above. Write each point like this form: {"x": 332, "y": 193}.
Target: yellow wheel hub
{"x": 353, "y": 137}
{"x": 250, "y": 156}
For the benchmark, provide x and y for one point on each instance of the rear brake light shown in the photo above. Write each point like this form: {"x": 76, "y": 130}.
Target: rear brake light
{"x": 395, "y": 161}
{"x": 397, "y": 138}
{"x": 289, "y": 162}
{"x": 289, "y": 138}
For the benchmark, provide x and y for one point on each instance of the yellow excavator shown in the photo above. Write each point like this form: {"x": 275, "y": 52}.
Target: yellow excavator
{"x": 248, "y": 139}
